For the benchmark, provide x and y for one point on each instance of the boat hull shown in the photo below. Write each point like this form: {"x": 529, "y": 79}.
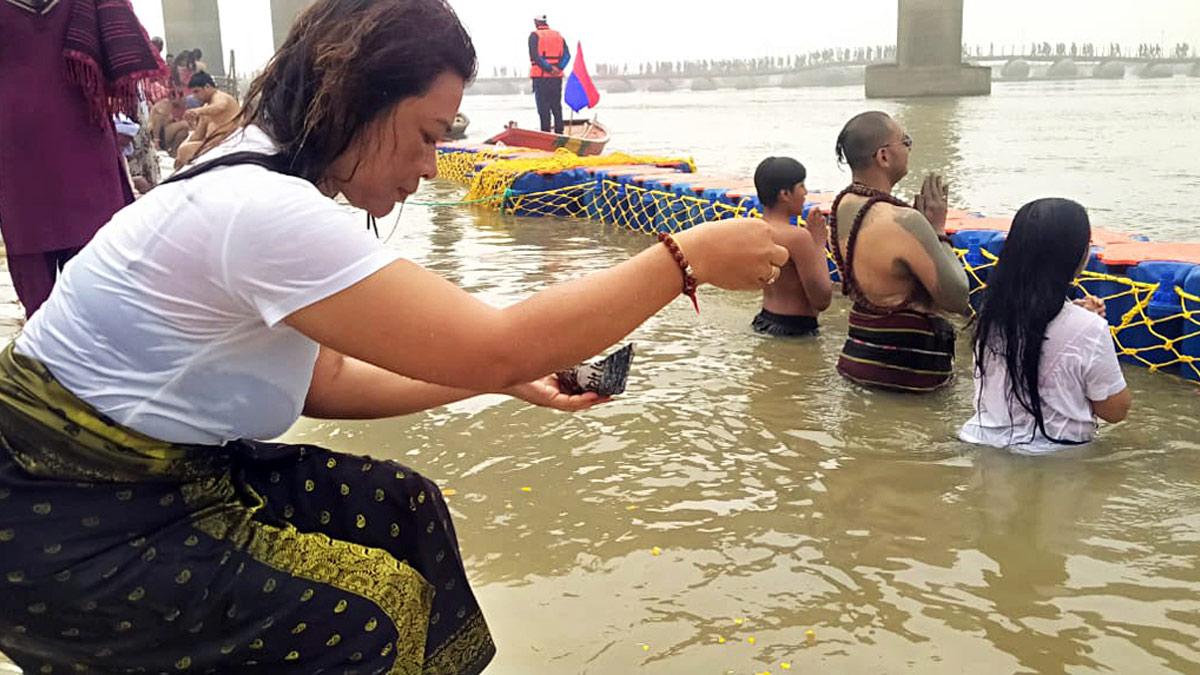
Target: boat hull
{"x": 581, "y": 137}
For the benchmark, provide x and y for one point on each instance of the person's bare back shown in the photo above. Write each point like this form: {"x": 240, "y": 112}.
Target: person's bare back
{"x": 214, "y": 120}
{"x": 896, "y": 264}
{"x": 802, "y": 290}
{"x": 216, "y": 117}
{"x": 803, "y": 287}
{"x": 899, "y": 258}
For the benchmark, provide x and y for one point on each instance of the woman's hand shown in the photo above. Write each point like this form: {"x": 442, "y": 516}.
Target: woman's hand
{"x": 1094, "y": 305}
{"x": 737, "y": 254}
{"x": 546, "y": 393}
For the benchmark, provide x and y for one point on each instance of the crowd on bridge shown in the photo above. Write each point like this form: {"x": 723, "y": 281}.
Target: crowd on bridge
{"x": 699, "y": 67}
{"x": 860, "y": 56}
{"x": 1090, "y": 49}
{"x": 1183, "y": 50}
{"x": 1086, "y": 49}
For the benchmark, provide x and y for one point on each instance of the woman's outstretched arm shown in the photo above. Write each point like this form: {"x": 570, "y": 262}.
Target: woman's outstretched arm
{"x": 413, "y": 322}
{"x": 346, "y": 388}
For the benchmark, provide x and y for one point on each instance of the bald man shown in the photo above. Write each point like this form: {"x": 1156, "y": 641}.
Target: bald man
{"x": 896, "y": 263}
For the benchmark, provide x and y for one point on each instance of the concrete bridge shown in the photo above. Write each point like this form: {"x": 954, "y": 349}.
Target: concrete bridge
{"x": 1037, "y": 66}
{"x": 1005, "y": 67}
{"x": 928, "y": 55}
{"x": 929, "y": 62}
{"x": 929, "y": 59}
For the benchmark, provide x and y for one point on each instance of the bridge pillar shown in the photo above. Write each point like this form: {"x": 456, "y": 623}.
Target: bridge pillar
{"x": 195, "y": 24}
{"x": 1063, "y": 69}
{"x": 928, "y": 55}
{"x": 1109, "y": 70}
{"x": 1017, "y": 69}
{"x": 283, "y": 15}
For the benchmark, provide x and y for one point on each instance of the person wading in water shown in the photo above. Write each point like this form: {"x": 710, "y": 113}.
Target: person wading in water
{"x": 804, "y": 290}
{"x": 896, "y": 264}
{"x": 1045, "y": 366}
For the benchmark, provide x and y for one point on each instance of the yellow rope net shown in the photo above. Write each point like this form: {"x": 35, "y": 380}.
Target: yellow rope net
{"x": 636, "y": 208}
{"x": 1147, "y": 332}
{"x": 460, "y": 166}
{"x": 497, "y": 176}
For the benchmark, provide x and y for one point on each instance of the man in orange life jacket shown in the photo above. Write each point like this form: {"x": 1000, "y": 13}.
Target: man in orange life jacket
{"x": 548, "y": 55}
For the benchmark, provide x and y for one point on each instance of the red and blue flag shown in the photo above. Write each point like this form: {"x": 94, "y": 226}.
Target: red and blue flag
{"x": 581, "y": 92}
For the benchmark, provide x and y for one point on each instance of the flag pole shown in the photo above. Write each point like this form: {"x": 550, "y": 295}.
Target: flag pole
{"x": 572, "y": 124}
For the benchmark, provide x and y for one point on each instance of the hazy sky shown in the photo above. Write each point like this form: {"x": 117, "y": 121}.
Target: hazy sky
{"x": 644, "y": 30}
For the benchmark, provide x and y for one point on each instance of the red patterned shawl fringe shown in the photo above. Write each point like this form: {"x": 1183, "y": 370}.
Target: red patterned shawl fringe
{"x": 106, "y": 99}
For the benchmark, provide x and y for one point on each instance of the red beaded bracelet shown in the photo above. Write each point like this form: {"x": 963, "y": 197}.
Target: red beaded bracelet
{"x": 689, "y": 278}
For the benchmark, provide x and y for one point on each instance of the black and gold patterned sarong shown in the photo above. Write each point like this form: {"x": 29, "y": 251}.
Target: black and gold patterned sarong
{"x": 123, "y": 554}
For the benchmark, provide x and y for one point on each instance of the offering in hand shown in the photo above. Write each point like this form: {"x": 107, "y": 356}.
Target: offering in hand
{"x": 605, "y": 377}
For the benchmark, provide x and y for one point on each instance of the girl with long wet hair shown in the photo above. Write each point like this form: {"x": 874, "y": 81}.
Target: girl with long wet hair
{"x": 1045, "y": 366}
{"x": 144, "y": 524}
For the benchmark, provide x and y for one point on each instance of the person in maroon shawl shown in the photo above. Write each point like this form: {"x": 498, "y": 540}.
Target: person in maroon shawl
{"x": 68, "y": 66}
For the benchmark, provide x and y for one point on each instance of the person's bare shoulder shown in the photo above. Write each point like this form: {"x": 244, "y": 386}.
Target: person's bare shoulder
{"x": 787, "y": 235}
{"x": 880, "y": 212}
{"x": 880, "y": 217}
{"x": 796, "y": 240}
{"x": 910, "y": 220}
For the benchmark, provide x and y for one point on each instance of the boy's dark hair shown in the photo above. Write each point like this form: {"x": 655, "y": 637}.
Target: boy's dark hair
{"x": 201, "y": 79}
{"x": 776, "y": 174}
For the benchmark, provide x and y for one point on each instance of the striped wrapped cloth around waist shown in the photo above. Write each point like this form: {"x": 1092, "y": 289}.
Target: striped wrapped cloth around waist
{"x": 905, "y": 351}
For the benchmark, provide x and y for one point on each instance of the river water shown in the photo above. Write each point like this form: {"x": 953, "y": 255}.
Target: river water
{"x": 741, "y": 509}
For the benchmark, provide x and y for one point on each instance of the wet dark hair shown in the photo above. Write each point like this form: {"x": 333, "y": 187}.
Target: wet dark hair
{"x": 201, "y": 79}
{"x": 1026, "y": 291}
{"x": 775, "y": 174}
{"x": 861, "y": 137}
{"x": 343, "y": 65}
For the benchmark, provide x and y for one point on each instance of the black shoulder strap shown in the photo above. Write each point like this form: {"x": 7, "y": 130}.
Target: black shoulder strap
{"x": 276, "y": 163}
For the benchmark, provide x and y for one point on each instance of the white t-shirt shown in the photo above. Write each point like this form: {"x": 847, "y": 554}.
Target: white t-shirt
{"x": 169, "y": 320}
{"x": 1079, "y": 365}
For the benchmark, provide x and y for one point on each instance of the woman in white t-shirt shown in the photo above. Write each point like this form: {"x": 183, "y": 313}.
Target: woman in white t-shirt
{"x": 1045, "y": 367}
{"x": 142, "y": 526}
